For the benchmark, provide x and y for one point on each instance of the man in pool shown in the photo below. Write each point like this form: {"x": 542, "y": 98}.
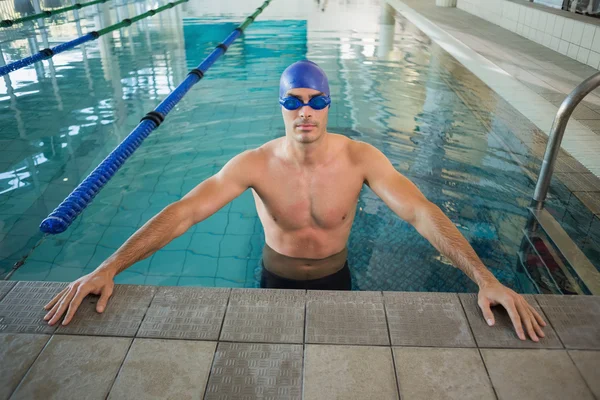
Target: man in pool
{"x": 306, "y": 187}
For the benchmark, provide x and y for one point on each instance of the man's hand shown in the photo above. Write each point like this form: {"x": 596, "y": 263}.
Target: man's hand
{"x": 520, "y": 312}
{"x": 97, "y": 282}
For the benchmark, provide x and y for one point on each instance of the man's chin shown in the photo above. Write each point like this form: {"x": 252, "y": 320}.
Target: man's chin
{"x": 307, "y": 136}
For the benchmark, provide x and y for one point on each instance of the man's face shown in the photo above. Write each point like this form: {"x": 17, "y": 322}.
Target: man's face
{"x": 305, "y": 124}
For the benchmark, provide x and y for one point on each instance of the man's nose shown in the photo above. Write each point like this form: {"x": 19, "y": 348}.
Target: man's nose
{"x": 306, "y": 111}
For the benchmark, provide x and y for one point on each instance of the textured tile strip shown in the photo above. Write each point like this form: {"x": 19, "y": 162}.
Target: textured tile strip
{"x": 588, "y": 364}
{"x": 185, "y": 313}
{"x": 5, "y": 287}
{"x": 580, "y": 182}
{"x": 21, "y": 310}
{"x": 259, "y": 315}
{"x": 17, "y": 352}
{"x": 122, "y": 317}
{"x": 534, "y": 374}
{"x": 427, "y": 319}
{"x": 428, "y": 374}
{"x": 349, "y": 372}
{"x": 503, "y": 334}
{"x": 346, "y": 318}
{"x": 591, "y": 201}
{"x": 252, "y": 370}
{"x": 74, "y": 367}
{"x": 161, "y": 369}
{"x": 575, "y": 318}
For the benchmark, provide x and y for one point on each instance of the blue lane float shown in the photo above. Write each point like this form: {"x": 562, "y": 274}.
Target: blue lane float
{"x": 66, "y": 212}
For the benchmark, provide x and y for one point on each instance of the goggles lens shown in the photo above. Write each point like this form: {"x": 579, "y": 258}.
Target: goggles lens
{"x": 316, "y": 103}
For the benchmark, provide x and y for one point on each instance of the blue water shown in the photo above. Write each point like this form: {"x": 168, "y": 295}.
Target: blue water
{"x": 59, "y": 120}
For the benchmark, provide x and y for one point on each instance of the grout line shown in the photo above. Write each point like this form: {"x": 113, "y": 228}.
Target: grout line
{"x": 120, "y": 367}
{"x": 548, "y": 322}
{"x": 487, "y": 372}
{"x": 387, "y": 323}
{"x": 579, "y": 372}
{"x": 462, "y": 305}
{"x": 212, "y": 364}
{"x": 477, "y": 344}
{"x": 217, "y": 345}
{"x": 130, "y": 344}
{"x": 224, "y": 315}
{"x": 302, "y": 371}
{"x": 31, "y": 366}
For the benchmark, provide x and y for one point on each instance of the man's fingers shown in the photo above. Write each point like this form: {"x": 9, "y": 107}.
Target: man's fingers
{"x": 56, "y": 299}
{"x": 74, "y": 305}
{"x": 484, "y": 304}
{"x": 537, "y": 327}
{"x": 537, "y": 316}
{"x": 535, "y": 322}
{"x": 510, "y": 307}
{"x": 104, "y": 296}
{"x": 526, "y": 318}
{"x": 54, "y": 308}
{"x": 62, "y": 306}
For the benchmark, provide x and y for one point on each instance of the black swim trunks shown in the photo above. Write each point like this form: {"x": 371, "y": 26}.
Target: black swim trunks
{"x": 340, "y": 280}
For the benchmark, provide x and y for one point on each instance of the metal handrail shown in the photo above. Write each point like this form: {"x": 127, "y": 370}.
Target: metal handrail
{"x": 556, "y": 134}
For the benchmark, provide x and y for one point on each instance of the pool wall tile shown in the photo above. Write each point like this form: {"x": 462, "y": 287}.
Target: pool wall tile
{"x": 199, "y": 265}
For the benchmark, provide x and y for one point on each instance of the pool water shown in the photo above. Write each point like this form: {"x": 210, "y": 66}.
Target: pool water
{"x": 59, "y": 120}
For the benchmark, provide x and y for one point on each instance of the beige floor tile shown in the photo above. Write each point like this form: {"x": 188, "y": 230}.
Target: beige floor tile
{"x": 160, "y": 369}
{"x": 588, "y": 363}
{"x": 535, "y": 374}
{"x": 438, "y": 373}
{"x": 348, "y": 373}
{"x": 17, "y": 352}
{"x": 74, "y": 367}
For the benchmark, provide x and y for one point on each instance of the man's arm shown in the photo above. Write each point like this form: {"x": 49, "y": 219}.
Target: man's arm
{"x": 173, "y": 221}
{"x": 405, "y": 199}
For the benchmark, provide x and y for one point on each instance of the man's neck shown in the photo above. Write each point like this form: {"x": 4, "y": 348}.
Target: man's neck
{"x": 307, "y": 154}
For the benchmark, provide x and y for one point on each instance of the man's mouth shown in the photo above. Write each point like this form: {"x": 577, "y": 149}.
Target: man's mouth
{"x": 305, "y": 126}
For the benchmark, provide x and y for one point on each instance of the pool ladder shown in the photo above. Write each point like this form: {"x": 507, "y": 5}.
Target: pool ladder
{"x": 540, "y": 217}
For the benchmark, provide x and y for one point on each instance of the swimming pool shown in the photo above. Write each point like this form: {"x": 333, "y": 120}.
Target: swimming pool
{"x": 59, "y": 121}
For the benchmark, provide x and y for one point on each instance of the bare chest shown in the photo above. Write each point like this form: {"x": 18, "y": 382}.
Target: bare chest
{"x": 324, "y": 198}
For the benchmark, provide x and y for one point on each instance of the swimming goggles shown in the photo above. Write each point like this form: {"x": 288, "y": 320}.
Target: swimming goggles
{"x": 294, "y": 103}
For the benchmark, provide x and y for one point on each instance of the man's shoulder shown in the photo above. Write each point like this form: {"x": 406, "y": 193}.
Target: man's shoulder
{"x": 256, "y": 157}
{"x": 357, "y": 150}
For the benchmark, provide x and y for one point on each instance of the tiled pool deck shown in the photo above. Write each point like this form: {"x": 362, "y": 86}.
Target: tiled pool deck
{"x": 173, "y": 342}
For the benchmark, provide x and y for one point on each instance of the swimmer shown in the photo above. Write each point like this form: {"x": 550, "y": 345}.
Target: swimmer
{"x": 306, "y": 186}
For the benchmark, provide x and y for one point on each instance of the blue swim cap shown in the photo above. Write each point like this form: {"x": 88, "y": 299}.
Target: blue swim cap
{"x": 303, "y": 74}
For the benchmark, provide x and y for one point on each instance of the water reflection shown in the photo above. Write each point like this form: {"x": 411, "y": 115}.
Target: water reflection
{"x": 391, "y": 86}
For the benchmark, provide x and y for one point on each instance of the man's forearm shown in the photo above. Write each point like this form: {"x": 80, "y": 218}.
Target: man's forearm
{"x": 154, "y": 235}
{"x": 436, "y": 227}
